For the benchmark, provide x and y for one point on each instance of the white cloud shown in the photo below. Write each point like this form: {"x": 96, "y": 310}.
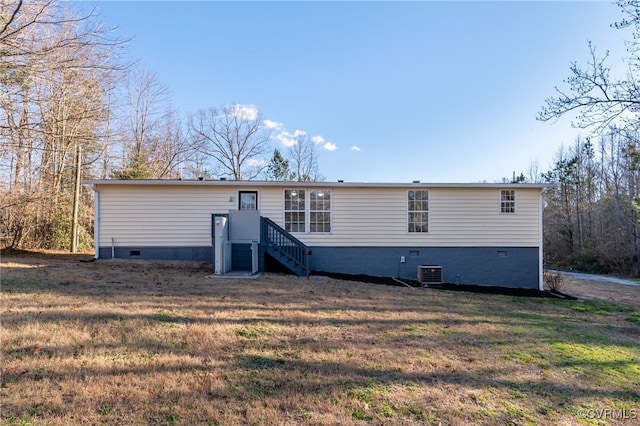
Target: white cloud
{"x": 252, "y": 162}
{"x": 355, "y": 148}
{"x": 272, "y": 124}
{"x": 244, "y": 112}
{"x": 287, "y": 139}
{"x": 290, "y": 139}
{"x": 330, "y": 146}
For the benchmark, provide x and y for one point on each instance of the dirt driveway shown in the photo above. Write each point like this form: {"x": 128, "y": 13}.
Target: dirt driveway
{"x": 601, "y": 287}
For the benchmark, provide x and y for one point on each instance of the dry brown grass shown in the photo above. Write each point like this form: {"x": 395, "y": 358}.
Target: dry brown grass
{"x": 133, "y": 342}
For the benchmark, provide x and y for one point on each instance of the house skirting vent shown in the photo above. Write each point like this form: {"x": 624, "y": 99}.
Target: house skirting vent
{"x": 430, "y": 274}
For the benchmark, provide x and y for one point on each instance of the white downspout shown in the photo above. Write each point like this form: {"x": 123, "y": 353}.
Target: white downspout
{"x": 96, "y": 223}
{"x": 540, "y": 248}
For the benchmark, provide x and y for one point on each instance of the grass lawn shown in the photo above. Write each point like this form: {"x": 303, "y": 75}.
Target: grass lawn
{"x": 158, "y": 343}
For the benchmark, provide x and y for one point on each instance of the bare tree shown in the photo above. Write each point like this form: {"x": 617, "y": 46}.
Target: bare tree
{"x": 147, "y": 101}
{"x": 592, "y": 213}
{"x": 196, "y": 167}
{"x": 8, "y": 17}
{"x": 172, "y": 151}
{"x": 303, "y": 157}
{"x": 598, "y": 99}
{"x": 56, "y": 69}
{"x": 534, "y": 172}
{"x": 152, "y": 143}
{"x": 234, "y": 137}
{"x": 618, "y": 237}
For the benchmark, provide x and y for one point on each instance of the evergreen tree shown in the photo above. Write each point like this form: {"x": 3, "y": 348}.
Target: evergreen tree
{"x": 278, "y": 168}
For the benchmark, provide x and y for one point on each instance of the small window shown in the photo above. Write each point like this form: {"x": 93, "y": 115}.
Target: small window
{"x": 418, "y": 211}
{"x": 248, "y": 200}
{"x": 294, "y": 210}
{"x": 508, "y": 201}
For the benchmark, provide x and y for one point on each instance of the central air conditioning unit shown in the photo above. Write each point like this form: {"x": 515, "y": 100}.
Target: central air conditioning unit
{"x": 430, "y": 274}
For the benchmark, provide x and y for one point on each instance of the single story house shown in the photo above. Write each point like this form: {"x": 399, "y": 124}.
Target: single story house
{"x": 477, "y": 233}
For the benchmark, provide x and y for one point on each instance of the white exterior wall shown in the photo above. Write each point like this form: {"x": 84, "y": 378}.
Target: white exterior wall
{"x": 180, "y": 216}
{"x": 159, "y": 216}
{"x": 460, "y": 217}
{"x": 472, "y": 217}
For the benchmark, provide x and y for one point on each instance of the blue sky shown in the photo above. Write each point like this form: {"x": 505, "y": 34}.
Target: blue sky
{"x": 396, "y": 91}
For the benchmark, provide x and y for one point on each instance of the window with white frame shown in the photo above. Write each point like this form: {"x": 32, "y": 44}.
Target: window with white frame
{"x": 418, "y": 211}
{"x": 319, "y": 210}
{"x": 507, "y": 201}
{"x": 294, "y": 210}
{"x": 307, "y": 210}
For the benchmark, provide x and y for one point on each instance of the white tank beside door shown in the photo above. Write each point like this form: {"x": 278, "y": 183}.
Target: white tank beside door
{"x": 221, "y": 246}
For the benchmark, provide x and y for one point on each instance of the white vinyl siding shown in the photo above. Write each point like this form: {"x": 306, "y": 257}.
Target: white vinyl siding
{"x": 156, "y": 216}
{"x": 459, "y": 217}
{"x": 180, "y": 215}
{"x": 469, "y": 217}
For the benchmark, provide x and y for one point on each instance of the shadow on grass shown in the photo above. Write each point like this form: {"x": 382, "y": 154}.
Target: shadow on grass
{"x": 46, "y": 255}
{"x": 270, "y": 367}
{"x": 516, "y": 330}
{"x": 256, "y": 377}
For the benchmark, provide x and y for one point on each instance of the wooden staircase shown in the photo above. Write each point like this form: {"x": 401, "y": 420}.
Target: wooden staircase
{"x": 284, "y": 247}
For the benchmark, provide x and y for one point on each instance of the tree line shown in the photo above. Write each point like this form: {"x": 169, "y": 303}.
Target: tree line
{"x": 592, "y": 211}
{"x": 73, "y": 104}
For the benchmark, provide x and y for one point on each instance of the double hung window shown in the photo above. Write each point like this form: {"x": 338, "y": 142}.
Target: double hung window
{"x": 294, "y": 210}
{"x": 418, "y": 211}
{"x": 307, "y": 210}
{"x": 319, "y": 210}
{"x": 508, "y": 201}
